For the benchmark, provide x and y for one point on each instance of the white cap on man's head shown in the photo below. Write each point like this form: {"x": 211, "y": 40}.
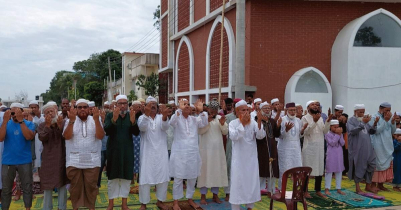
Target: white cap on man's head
{"x": 17, "y": 105}
{"x": 136, "y": 102}
{"x": 339, "y": 107}
{"x": 263, "y": 104}
{"x": 119, "y": 97}
{"x": 334, "y": 122}
{"x": 257, "y": 100}
{"x": 91, "y": 104}
{"x": 106, "y": 103}
{"x": 150, "y": 99}
{"x": 397, "y": 131}
{"x": 53, "y": 103}
{"x": 359, "y": 106}
{"x": 171, "y": 102}
{"x": 274, "y": 100}
{"x": 81, "y": 100}
{"x": 240, "y": 103}
{"x": 34, "y": 102}
{"x": 46, "y": 107}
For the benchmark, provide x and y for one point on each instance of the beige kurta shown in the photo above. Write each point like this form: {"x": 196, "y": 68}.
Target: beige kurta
{"x": 214, "y": 165}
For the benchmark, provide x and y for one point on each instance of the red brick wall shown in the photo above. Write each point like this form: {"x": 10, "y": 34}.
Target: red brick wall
{"x": 163, "y": 87}
{"x": 183, "y": 69}
{"x": 183, "y": 14}
{"x": 215, "y": 58}
{"x": 216, "y": 95}
{"x": 215, "y": 4}
{"x": 199, "y": 9}
{"x": 164, "y": 43}
{"x": 287, "y": 36}
{"x": 163, "y": 7}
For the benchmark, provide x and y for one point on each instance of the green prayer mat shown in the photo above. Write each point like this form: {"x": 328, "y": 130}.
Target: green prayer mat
{"x": 356, "y": 200}
{"x": 325, "y": 203}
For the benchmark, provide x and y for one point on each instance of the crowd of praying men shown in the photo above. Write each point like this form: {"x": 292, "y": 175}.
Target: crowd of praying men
{"x": 243, "y": 146}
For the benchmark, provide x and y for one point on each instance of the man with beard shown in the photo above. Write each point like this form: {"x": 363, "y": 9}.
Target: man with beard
{"x": 383, "y": 146}
{"x": 289, "y": 149}
{"x": 245, "y": 169}
{"x": 313, "y": 147}
{"x": 154, "y": 156}
{"x": 230, "y": 117}
{"x": 300, "y": 111}
{"x": 103, "y": 113}
{"x": 277, "y": 111}
{"x": 256, "y": 104}
{"x": 362, "y": 159}
{"x": 120, "y": 125}
{"x": 214, "y": 166}
{"x": 267, "y": 150}
{"x": 53, "y": 170}
{"x": 83, "y": 136}
{"x": 17, "y": 135}
{"x": 65, "y": 107}
{"x": 185, "y": 161}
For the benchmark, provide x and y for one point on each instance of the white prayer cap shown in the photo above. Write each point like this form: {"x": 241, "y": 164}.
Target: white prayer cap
{"x": 150, "y": 99}
{"x": 141, "y": 100}
{"x": 193, "y": 106}
{"x": 359, "y": 106}
{"x": 3, "y": 106}
{"x": 113, "y": 101}
{"x": 274, "y": 100}
{"x": 398, "y": 113}
{"x": 81, "y": 100}
{"x": 17, "y": 105}
{"x": 184, "y": 99}
{"x": 52, "y": 103}
{"x": 297, "y": 105}
{"x": 339, "y": 107}
{"x": 106, "y": 103}
{"x": 385, "y": 105}
{"x": 171, "y": 102}
{"x": 334, "y": 122}
{"x": 47, "y": 106}
{"x": 397, "y": 131}
{"x": 250, "y": 106}
{"x": 35, "y": 102}
{"x": 257, "y": 100}
{"x": 263, "y": 104}
{"x": 136, "y": 102}
{"x": 240, "y": 103}
{"x": 119, "y": 97}
{"x": 308, "y": 103}
{"x": 91, "y": 104}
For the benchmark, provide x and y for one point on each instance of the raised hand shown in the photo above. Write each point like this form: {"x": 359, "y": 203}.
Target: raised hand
{"x": 393, "y": 119}
{"x": 60, "y": 122}
{"x": 366, "y": 118}
{"x": 330, "y": 117}
{"x": 279, "y": 121}
{"x": 376, "y": 120}
{"x": 181, "y": 104}
{"x": 162, "y": 107}
{"x": 132, "y": 117}
{"x": 103, "y": 115}
{"x": 305, "y": 112}
{"x": 245, "y": 119}
{"x": 19, "y": 115}
{"x": 222, "y": 120}
{"x": 305, "y": 126}
{"x": 7, "y": 116}
{"x": 387, "y": 116}
{"x": 199, "y": 105}
{"x": 261, "y": 117}
{"x": 96, "y": 113}
{"x": 48, "y": 121}
{"x": 316, "y": 117}
{"x": 223, "y": 105}
{"x": 289, "y": 126}
{"x": 329, "y": 112}
{"x": 116, "y": 113}
{"x": 339, "y": 131}
{"x": 72, "y": 114}
{"x": 167, "y": 111}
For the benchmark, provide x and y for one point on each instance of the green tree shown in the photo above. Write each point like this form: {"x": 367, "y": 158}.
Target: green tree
{"x": 156, "y": 15}
{"x": 149, "y": 83}
{"x": 94, "y": 92}
{"x": 132, "y": 96}
{"x": 366, "y": 37}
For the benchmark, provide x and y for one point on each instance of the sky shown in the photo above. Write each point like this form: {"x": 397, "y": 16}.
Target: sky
{"x": 39, "y": 38}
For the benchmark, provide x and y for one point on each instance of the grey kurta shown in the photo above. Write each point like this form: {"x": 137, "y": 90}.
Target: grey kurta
{"x": 230, "y": 117}
{"x": 361, "y": 155}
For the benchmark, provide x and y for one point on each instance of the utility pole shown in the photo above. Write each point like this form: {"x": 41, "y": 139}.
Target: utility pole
{"x": 221, "y": 48}
{"x": 108, "y": 59}
{"x": 240, "y": 50}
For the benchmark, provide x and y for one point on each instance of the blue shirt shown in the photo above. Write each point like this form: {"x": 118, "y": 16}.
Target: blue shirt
{"x": 17, "y": 150}
{"x": 104, "y": 143}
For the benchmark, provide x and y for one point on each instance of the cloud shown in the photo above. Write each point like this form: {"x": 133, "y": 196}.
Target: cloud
{"x": 39, "y": 38}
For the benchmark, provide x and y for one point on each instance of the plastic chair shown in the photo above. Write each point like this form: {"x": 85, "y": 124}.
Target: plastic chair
{"x": 300, "y": 178}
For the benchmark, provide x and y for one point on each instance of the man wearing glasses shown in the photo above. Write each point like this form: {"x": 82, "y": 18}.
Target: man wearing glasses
{"x": 120, "y": 125}
{"x": 83, "y": 135}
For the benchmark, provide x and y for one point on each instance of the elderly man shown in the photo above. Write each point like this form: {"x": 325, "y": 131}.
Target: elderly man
{"x": 154, "y": 157}
{"x": 289, "y": 148}
{"x": 382, "y": 142}
{"x": 83, "y": 135}
{"x": 244, "y": 163}
{"x": 256, "y": 104}
{"x": 185, "y": 160}
{"x": 299, "y": 111}
{"x": 362, "y": 159}
{"x": 313, "y": 147}
{"x": 65, "y": 107}
{"x": 277, "y": 111}
{"x": 267, "y": 150}
{"x": 120, "y": 125}
{"x": 53, "y": 170}
{"x": 37, "y": 119}
{"x": 214, "y": 166}
{"x": 17, "y": 133}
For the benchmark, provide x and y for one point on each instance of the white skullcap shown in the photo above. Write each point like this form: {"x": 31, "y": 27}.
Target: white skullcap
{"x": 184, "y": 99}
{"x": 359, "y": 106}
{"x": 113, "y": 101}
{"x": 81, "y": 100}
{"x": 263, "y": 104}
{"x": 17, "y": 105}
{"x": 106, "y": 103}
{"x": 47, "y": 106}
{"x": 274, "y": 100}
{"x": 397, "y": 131}
{"x": 3, "y": 106}
{"x": 240, "y": 103}
{"x": 91, "y": 104}
{"x": 191, "y": 105}
{"x": 136, "y": 102}
{"x": 150, "y": 99}
{"x": 298, "y": 105}
{"x": 141, "y": 100}
{"x": 398, "y": 113}
{"x": 257, "y": 100}
{"x": 35, "y": 102}
{"x": 308, "y": 103}
{"x": 171, "y": 102}
{"x": 250, "y": 106}
{"x": 119, "y": 97}
{"x": 334, "y": 122}
{"x": 52, "y": 103}
{"x": 339, "y": 107}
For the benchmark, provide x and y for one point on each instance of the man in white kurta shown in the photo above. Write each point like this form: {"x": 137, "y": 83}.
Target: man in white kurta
{"x": 214, "y": 166}
{"x": 313, "y": 148}
{"x": 244, "y": 162}
{"x": 185, "y": 161}
{"x": 153, "y": 153}
{"x": 289, "y": 146}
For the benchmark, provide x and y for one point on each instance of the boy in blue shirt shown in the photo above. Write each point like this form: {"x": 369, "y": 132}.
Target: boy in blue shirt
{"x": 17, "y": 133}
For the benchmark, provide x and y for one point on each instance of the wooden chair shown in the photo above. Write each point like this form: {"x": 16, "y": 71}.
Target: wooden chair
{"x": 300, "y": 178}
